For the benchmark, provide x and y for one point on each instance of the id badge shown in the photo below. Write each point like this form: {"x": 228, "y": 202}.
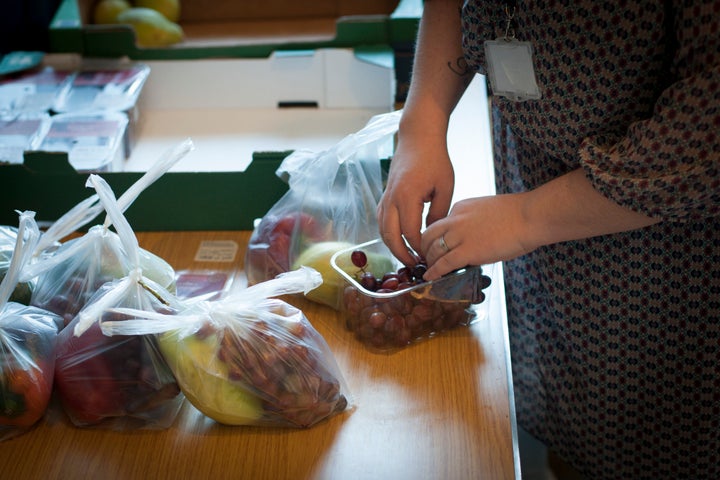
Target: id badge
{"x": 510, "y": 69}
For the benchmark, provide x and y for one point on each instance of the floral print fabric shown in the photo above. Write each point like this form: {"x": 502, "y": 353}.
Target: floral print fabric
{"x": 615, "y": 340}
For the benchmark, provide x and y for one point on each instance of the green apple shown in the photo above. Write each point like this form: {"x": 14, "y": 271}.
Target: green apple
{"x": 318, "y": 257}
{"x": 204, "y": 379}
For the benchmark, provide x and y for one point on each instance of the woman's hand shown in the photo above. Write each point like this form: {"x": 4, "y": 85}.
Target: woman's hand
{"x": 478, "y": 231}
{"x": 420, "y": 172}
{"x": 485, "y": 230}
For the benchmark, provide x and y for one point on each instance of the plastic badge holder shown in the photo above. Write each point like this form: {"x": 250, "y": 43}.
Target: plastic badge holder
{"x": 393, "y": 320}
{"x": 19, "y": 133}
{"x": 93, "y": 141}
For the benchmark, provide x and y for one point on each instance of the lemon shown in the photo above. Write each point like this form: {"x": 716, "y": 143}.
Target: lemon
{"x": 107, "y": 11}
{"x": 169, "y": 8}
{"x": 152, "y": 29}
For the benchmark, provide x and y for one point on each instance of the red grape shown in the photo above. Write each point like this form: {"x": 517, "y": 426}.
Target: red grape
{"x": 397, "y": 321}
{"x": 358, "y": 258}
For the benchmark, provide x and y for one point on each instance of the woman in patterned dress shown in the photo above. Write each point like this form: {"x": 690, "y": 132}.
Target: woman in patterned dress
{"x": 607, "y": 219}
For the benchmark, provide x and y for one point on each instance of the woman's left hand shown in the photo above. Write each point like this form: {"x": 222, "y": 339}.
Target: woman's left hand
{"x": 478, "y": 231}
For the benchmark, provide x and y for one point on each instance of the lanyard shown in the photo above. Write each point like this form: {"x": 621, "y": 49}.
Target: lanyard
{"x": 510, "y": 68}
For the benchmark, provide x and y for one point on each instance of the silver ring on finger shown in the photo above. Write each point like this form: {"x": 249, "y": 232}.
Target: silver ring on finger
{"x": 443, "y": 245}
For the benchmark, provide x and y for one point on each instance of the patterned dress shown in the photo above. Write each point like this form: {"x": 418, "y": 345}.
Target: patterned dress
{"x": 615, "y": 340}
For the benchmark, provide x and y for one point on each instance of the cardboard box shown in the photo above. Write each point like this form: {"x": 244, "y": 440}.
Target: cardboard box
{"x": 252, "y": 29}
{"x": 243, "y": 115}
{"x": 229, "y": 28}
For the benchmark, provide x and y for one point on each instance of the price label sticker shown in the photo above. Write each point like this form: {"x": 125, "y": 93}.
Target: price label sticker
{"x": 216, "y": 251}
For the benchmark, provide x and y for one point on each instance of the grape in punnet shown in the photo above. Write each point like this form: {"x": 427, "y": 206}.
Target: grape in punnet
{"x": 396, "y": 321}
{"x": 403, "y": 278}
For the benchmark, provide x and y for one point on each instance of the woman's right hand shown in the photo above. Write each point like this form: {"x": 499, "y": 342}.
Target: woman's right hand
{"x": 420, "y": 173}
{"x": 420, "y": 170}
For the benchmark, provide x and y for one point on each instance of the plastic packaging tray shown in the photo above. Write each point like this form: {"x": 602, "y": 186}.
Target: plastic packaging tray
{"x": 21, "y": 132}
{"x": 93, "y": 141}
{"x": 395, "y": 319}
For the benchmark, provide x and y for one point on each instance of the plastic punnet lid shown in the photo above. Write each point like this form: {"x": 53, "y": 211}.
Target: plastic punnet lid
{"x": 91, "y": 139}
{"x": 103, "y": 88}
{"x": 463, "y": 285}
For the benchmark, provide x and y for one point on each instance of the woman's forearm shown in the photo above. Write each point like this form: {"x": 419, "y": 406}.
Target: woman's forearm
{"x": 439, "y": 76}
{"x": 570, "y": 208}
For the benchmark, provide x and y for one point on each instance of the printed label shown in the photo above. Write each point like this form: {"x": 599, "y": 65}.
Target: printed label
{"x": 216, "y": 251}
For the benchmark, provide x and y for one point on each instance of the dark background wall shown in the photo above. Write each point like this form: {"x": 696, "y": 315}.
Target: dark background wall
{"x": 24, "y": 24}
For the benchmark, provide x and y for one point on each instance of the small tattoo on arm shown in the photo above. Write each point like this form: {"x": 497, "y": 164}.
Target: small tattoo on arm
{"x": 459, "y": 67}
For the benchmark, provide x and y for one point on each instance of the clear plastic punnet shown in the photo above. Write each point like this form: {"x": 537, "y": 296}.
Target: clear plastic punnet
{"x": 103, "y": 87}
{"x": 20, "y": 133}
{"x": 406, "y": 309}
{"x": 93, "y": 141}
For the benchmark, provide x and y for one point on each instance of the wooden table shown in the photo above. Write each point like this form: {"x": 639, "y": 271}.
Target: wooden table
{"x": 440, "y": 409}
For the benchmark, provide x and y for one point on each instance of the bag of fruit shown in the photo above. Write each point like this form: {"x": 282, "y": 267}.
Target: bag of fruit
{"x": 66, "y": 279}
{"x": 330, "y": 204}
{"x": 27, "y": 345}
{"x": 44, "y": 246}
{"x": 248, "y": 358}
{"x": 8, "y": 238}
{"x": 119, "y": 382}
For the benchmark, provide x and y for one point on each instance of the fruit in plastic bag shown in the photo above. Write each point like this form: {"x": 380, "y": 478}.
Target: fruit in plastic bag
{"x": 119, "y": 381}
{"x": 86, "y": 264}
{"x": 27, "y": 357}
{"x": 23, "y": 290}
{"x": 274, "y": 364}
{"x": 262, "y": 352}
{"x": 194, "y": 360}
{"x": 27, "y": 344}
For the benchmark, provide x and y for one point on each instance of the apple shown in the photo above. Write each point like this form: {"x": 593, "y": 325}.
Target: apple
{"x": 274, "y": 240}
{"x": 318, "y": 257}
{"x": 117, "y": 380}
{"x": 204, "y": 379}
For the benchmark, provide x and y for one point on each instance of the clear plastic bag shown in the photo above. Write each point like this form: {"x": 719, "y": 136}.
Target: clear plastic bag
{"x": 23, "y": 290}
{"x": 331, "y": 204}
{"x": 118, "y": 382}
{"x": 249, "y": 359}
{"x": 28, "y": 337}
{"x": 67, "y": 278}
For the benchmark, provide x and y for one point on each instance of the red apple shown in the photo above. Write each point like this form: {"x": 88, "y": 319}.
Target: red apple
{"x": 276, "y": 241}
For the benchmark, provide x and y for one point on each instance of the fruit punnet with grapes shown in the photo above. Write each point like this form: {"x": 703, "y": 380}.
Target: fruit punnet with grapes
{"x": 384, "y": 317}
{"x": 268, "y": 368}
{"x": 318, "y": 256}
